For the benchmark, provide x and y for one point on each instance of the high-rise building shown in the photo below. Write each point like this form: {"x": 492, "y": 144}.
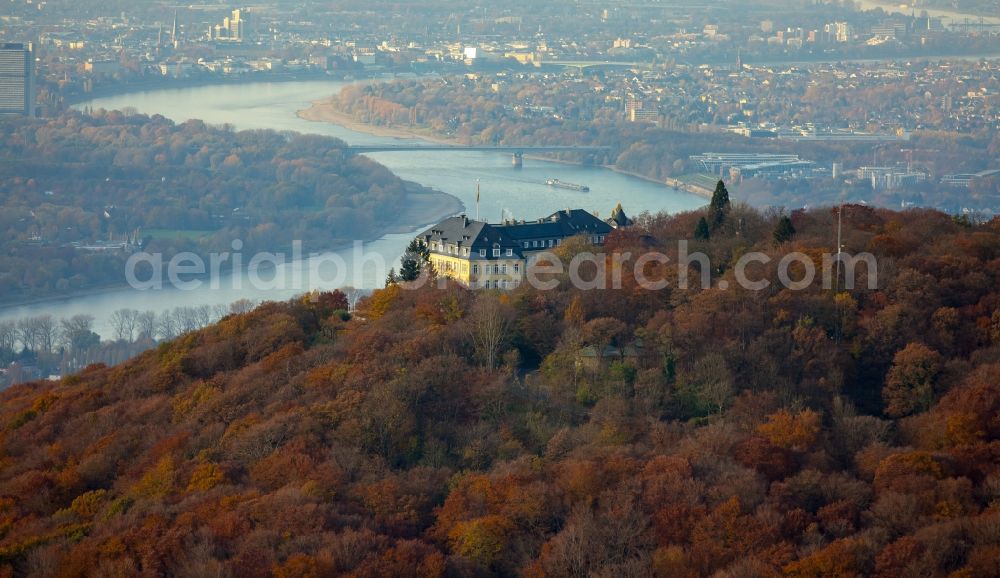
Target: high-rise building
{"x": 17, "y": 79}
{"x": 844, "y": 31}
{"x": 234, "y": 28}
{"x": 638, "y": 110}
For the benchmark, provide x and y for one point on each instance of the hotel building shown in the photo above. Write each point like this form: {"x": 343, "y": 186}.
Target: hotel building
{"x": 494, "y": 256}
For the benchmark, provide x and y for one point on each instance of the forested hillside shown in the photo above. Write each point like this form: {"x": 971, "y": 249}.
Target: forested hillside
{"x": 70, "y": 183}
{"x": 621, "y": 432}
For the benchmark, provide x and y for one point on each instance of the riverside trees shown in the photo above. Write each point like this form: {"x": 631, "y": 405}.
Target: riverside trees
{"x": 80, "y": 192}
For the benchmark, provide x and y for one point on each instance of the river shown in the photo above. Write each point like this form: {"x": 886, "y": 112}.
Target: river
{"x": 518, "y": 193}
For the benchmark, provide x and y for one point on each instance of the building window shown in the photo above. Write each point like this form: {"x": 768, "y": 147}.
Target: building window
{"x": 534, "y": 243}
{"x": 551, "y": 242}
{"x": 475, "y": 269}
{"x": 526, "y": 244}
{"x": 482, "y": 252}
{"x": 510, "y": 252}
{"x": 517, "y": 267}
{"x": 496, "y": 269}
{"x": 602, "y": 238}
{"x": 465, "y": 251}
{"x": 503, "y": 268}
{"x": 496, "y": 251}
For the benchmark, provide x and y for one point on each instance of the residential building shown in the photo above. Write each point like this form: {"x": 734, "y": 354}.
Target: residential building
{"x": 638, "y": 110}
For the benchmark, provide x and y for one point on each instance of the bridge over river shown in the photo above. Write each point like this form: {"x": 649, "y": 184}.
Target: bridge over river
{"x": 517, "y": 152}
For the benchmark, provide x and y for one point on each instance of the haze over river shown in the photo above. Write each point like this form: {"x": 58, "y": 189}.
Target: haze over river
{"x": 521, "y": 193}
{"x": 948, "y": 17}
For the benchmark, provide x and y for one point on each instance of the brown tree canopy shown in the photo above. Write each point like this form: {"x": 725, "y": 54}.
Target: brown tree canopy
{"x": 449, "y": 432}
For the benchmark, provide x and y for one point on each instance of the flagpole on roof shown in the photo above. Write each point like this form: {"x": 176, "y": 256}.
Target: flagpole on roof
{"x": 477, "y": 199}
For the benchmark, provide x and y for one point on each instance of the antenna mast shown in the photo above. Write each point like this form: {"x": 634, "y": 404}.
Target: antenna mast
{"x": 840, "y": 213}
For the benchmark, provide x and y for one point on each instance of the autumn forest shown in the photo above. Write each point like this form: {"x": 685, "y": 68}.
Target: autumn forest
{"x": 78, "y": 186}
{"x": 620, "y": 432}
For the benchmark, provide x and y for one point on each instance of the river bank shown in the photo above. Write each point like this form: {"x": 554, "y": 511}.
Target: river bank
{"x": 325, "y": 111}
{"x": 678, "y": 185}
{"x": 424, "y": 207}
{"x": 449, "y": 182}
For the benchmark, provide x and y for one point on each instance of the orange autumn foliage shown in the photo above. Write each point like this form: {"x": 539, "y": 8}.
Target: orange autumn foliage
{"x": 791, "y": 431}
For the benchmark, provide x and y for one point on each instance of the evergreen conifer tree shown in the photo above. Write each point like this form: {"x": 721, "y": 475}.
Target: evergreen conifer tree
{"x": 701, "y": 231}
{"x": 414, "y": 260}
{"x": 784, "y": 230}
{"x": 719, "y": 206}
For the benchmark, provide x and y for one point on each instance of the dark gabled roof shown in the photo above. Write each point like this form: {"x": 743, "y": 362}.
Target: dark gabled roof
{"x": 461, "y": 230}
{"x": 619, "y": 218}
{"x": 561, "y": 224}
{"x": 533, "y": 230}
{"x": 465, "y": 232}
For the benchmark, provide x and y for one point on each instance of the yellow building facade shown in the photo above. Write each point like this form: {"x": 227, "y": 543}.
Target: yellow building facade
{"x": 494, "y": 256}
